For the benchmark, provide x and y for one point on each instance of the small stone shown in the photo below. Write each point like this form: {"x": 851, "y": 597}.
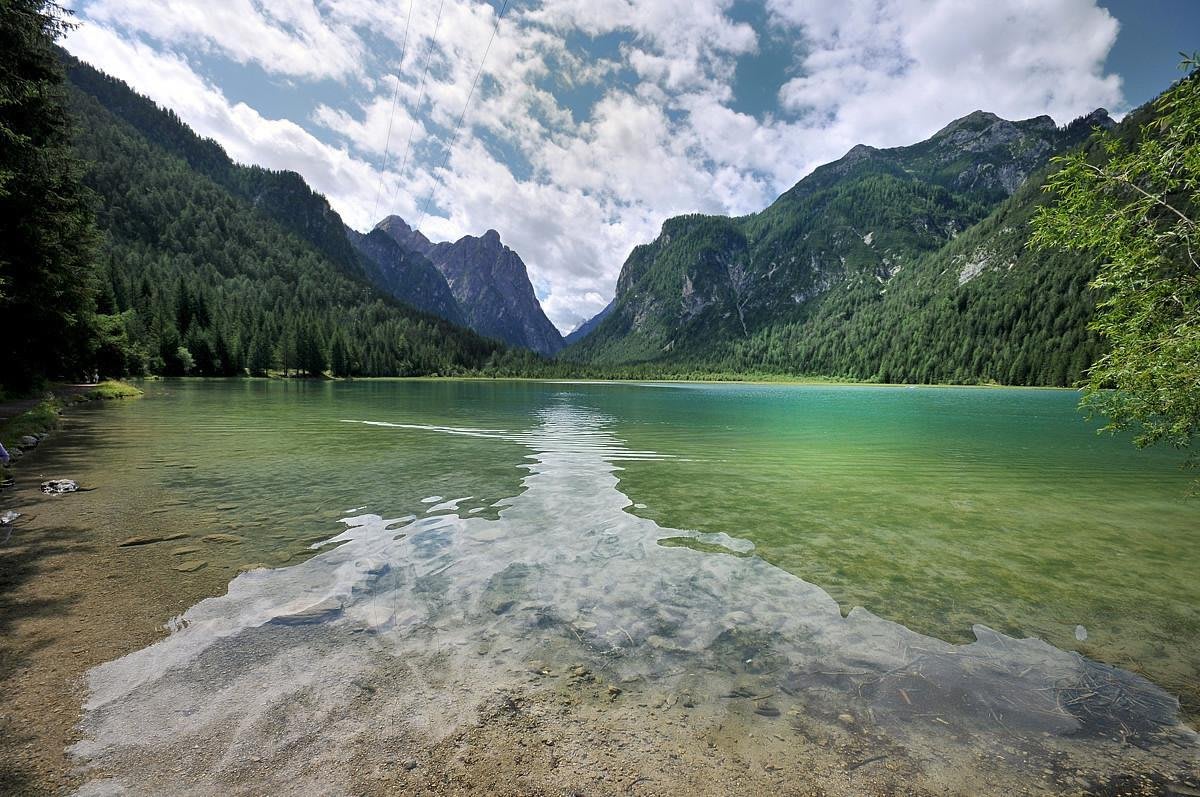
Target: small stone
{"x": 845, "y": 719}
{"x": 149, "y": 539}
{"x": 191, "y": 565}
{"x": 184, "y": 551}
{"x": 28, "y": 441}
{"x": 59, "y": 486}
{"x": 232, "y": 539}
{"x": 409, "y": 763}
{"x": 248, "y": 568}
{"x": 614, "y": 690}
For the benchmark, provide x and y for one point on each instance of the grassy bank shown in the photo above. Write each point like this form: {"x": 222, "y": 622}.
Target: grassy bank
{"x": 43, "y": 417}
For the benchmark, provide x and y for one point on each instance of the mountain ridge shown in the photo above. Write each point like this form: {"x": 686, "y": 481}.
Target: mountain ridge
{"x": 406, "y": 275}
{"x": 213, "y": 268}
{"x": 707, "y": 281}
{"x": 490, "y": 283}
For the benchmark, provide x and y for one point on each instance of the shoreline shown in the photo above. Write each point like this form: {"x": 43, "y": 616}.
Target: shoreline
{"x": 71, "y": 598}
{"x": 781, "y": 382}
{"x": 37, "y": 417}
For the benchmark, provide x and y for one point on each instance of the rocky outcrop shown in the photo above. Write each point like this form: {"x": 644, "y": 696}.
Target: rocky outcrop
{"x": 490, "y": 283}
{"x": 406, "y": 274}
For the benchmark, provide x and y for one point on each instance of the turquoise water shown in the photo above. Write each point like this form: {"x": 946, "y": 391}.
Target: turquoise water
{"x": 937, "y": 508}
{"x": 915, "y": 568}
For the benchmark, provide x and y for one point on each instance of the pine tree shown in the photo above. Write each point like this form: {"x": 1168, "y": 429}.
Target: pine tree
{"x": 339, "y": 356}
{"x": 261, "y": 358}
{"x": 47, "y": 243}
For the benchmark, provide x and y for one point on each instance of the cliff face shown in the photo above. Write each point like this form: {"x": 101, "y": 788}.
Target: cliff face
{"x": 490, "y": 283}
{"x": 406, "y": 274}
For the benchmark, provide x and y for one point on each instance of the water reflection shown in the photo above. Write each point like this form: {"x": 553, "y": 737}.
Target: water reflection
{"x": 565, "y": 573}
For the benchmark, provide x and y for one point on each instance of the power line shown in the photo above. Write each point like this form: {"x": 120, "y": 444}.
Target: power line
{"x": 461, "y": 116}
{"x": 387, "y": 142}
{"x": 421, "y": 93}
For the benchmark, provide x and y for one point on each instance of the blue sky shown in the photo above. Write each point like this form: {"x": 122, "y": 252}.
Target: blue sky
{"x": 595, "y": 120}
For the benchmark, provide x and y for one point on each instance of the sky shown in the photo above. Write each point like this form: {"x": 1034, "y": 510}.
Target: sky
{"x": 590, "y": 122}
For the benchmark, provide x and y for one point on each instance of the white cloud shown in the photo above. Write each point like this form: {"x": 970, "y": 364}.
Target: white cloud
{"x": 890, "y": 72}
{"x": 373, "y": 126}
{"x": 574, "y": 187}
{"x": 247, "y": 136}
{"x": 288, "y": 37}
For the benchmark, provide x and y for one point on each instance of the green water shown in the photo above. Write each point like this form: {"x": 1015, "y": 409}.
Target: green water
{"x": 935, "y": 507}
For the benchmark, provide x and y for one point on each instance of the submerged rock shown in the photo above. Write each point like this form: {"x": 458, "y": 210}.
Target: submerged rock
{"x": 149, "y": 539}
{"x": 7, "y": 518}
{"x": 232, "y": 539}
{"x": 252, "y": 566}
{"x": 28, "y": 441}
{"x": 410, "y": 615}
{"x": 59, "y": 486}
{"x": 191, "y": 565}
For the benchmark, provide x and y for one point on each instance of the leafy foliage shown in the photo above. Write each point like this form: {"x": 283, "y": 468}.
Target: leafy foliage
{"x": 1135, "y": 207}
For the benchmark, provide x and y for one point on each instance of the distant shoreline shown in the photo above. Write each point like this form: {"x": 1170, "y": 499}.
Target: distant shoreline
{"x": 782, "y": 381}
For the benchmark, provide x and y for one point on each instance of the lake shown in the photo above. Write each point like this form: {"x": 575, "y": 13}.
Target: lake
{"x": 966, "y": 577}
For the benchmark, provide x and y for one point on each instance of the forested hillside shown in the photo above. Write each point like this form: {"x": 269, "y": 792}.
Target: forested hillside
{"x": 207, "y": 267}
{"x": 904, "y": 265}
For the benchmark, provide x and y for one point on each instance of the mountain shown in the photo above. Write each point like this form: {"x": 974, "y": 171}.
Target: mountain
{"x": 406, "y": 274}
{"x": 583, "y": 330}
{"x": 722, "y": 291}
{"x": 210, "y": 267}
{"x": 404, "y": 235}
{"x": 490, "y": 283}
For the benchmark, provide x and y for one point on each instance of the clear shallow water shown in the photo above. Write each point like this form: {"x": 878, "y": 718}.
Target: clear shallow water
{"x": 935, "y": 509}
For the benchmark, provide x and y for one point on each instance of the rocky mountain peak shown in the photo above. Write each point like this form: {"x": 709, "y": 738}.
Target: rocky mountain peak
{"x": 405, "y": 235}
{"x": 405, "y": 273}
{"x": 859, "y": 151}
{"x": 490, "y": 283}
{"x": 974, "y": 122}
{"x": 1097, "y": 118}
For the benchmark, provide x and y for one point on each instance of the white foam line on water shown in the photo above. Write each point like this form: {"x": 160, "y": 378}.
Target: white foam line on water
{"x": 558, "y": 438}
{"x": 458, "y": 430}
